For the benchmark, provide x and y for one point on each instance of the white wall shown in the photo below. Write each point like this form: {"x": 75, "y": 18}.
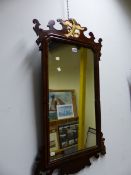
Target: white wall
{"x": 20, "y": 80}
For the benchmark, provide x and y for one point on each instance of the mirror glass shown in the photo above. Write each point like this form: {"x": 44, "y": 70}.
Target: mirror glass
{"x": 72, "y": 125}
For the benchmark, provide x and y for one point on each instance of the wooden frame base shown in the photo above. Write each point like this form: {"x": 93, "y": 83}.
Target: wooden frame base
{"x": 69, "y": 166}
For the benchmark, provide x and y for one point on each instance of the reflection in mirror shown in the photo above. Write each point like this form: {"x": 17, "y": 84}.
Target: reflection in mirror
{"x": 72, "y": 125}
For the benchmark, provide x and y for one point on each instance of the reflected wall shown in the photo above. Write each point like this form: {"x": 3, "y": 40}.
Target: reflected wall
{"x": 72, "y": 124}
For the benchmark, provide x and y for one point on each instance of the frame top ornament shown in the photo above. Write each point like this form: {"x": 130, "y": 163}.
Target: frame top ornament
{"x": 71, "y": 30}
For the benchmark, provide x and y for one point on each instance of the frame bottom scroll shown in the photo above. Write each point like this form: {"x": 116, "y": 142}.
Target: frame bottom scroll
{"x": 67, "y": 167}
{"x": 103, "y": 148}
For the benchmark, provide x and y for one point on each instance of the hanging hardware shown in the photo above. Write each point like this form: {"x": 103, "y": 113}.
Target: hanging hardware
{"x": 67, "y": 3}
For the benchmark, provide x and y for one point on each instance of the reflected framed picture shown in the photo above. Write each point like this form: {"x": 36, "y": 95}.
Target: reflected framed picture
{"x": 68, "y": 134}
{"x": 62, "y": 104}
{"x": 65, "y": 111}
{"x": 53, "y": 115}
{"x": 91, "y": 137}
{"x": 54, "y": 141}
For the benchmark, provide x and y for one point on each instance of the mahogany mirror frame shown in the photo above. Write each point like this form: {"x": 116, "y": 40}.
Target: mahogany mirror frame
{"x": 72, "y": 163}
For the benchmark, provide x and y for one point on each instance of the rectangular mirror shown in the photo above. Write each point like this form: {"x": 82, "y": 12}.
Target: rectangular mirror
{"x": 72, "y": 122}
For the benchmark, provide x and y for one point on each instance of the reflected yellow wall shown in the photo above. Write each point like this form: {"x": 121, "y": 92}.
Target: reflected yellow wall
{"x": 90, "y": 96}
{"x": 82, "y": 107}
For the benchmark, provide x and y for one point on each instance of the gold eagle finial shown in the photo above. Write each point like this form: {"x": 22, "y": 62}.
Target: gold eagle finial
{"x": 73, "y": 28}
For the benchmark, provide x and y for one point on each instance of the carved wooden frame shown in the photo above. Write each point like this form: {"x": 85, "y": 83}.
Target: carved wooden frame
{"x": 71, "y": 32}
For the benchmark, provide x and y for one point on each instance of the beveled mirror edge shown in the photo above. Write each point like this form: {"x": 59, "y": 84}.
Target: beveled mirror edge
{"x": 41, "y": 163}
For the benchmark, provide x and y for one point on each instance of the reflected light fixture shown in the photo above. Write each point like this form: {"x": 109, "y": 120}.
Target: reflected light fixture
{"x": 74, "y": 50}
{"x": 57, "y": 58}
{"x": 59, "y": 69}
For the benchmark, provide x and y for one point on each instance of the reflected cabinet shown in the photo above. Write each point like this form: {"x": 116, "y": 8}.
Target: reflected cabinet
{"x": 70, "y": 98}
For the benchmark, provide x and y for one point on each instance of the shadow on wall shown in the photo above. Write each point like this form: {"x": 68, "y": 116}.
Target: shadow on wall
{"x": 126, "y": 5}
{"x": 36, "y": 75}
{"x": 36, "y": 80}
{"x": 32, "y": 63}
{"x": 129, "y": 86}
